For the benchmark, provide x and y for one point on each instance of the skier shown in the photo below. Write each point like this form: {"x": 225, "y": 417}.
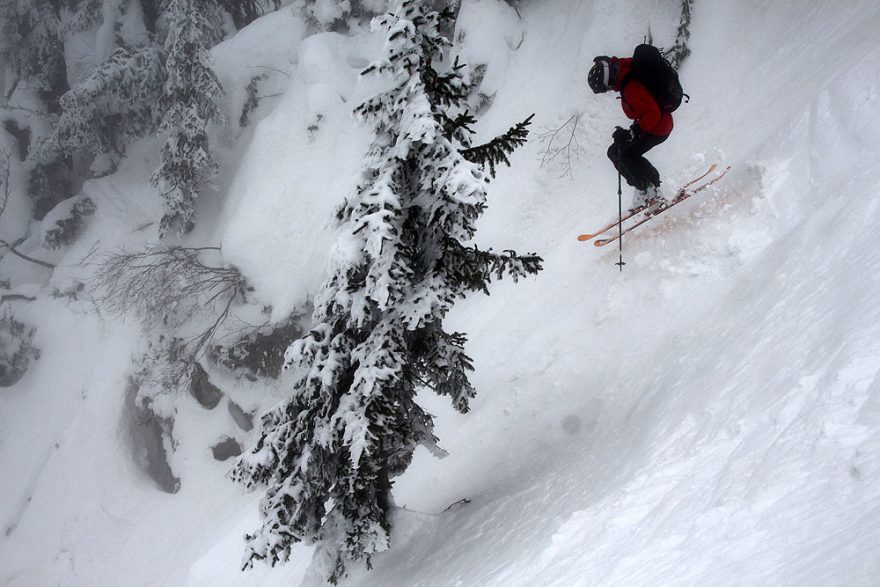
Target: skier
{"x": 652, "y": 119}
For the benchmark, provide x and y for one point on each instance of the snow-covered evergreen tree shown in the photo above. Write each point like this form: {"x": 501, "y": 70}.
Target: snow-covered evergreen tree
{"x": 114, "y": 105}
{"x": 190, "y": 105}
{"x": 34, "y": 70}
{"x": 328, "y": 455}
{"x": 86, "y": 14}
{"x": 32, "y": 48}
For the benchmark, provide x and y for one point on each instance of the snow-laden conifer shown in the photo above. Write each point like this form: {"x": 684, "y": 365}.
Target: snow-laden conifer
{"x": 86, "y": 14}
{"x": 351, "y": 425}
{"x": 189, "y": 103}
{"x": 115, "y": 104}
{"x": 32, "y": 47}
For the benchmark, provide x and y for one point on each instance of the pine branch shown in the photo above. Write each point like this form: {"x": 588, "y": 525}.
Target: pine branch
{"x": 472, "y": 269}
{"x": 444, "y": 89}
{"x": 452, "y": 126}
{"x": 443, "y": 365}
{"x": 680, "y": 50}
{"x": 497, "y": 150}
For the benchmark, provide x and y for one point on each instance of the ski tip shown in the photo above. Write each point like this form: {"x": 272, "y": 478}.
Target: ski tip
{"x": 585, "y": 237}
{"x": 601, "y": 242}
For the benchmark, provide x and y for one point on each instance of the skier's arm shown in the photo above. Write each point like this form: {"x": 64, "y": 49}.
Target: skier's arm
{"x": 646, "y": 112}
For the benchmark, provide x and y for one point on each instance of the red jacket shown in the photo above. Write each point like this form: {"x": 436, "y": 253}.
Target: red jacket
{"x": 639, "y": 105}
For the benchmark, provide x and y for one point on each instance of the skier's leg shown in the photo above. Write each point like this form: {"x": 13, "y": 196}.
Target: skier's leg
{"x": 647, "y": 173}
{"x": 632, "y": 157}
{"x": 625, "y": 166}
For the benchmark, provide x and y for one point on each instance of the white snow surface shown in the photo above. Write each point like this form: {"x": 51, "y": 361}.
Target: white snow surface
{"x": 708, "y": 416}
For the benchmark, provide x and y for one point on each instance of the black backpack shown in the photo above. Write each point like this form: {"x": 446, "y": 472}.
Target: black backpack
{"x": 655, "y": 73}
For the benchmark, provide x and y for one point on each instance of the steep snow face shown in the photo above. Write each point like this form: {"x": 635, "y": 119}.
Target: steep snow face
{"x": 708, "y": 416}
{"x": 304, "y": 157}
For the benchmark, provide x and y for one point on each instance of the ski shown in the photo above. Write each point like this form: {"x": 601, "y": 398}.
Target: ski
{"x": 682, "y": 195}
{"x": 635, "y": 211}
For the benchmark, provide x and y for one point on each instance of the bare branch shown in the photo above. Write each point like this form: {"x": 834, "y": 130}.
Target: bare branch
{"x": 4, "y": 177}
{"x": 168, "y": 287}
{"x": 23, "y": 108}
{"x": 16, "y": 297}
{"x": 4, "y": 200}
{"x": 270, "y": 69}
{"x": 560, "y": 147}
{"x": 21, "y": 255}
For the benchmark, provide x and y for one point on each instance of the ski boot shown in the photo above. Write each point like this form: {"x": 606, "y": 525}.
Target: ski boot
{"x": 649, "y": 199}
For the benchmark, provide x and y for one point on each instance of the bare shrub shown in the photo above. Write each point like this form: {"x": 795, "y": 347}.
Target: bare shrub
{"x": 560, "y": 145}
{"x": 170, "y": 288}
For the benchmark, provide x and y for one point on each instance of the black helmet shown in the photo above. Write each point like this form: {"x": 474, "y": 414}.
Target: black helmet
{"x": 601, "y": 77}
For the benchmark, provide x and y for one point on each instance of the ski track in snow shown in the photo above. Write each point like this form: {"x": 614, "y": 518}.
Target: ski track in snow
{"x": 709, "y": 416}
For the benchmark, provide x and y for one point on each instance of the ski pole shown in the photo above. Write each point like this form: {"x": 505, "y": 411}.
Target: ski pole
{"x": 620, "y": 263}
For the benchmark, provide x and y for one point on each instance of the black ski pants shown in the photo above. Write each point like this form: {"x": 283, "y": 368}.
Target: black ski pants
{"x": 628, "y": 158}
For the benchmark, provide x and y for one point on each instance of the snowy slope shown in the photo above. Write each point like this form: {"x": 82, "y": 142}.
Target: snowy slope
{"x": 710, "y": 416}
{"x": 707, "y": 417}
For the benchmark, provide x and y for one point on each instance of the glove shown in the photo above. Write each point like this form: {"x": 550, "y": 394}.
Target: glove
{"x": 621, "y": 135}
{"x": 636, "y": 131}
